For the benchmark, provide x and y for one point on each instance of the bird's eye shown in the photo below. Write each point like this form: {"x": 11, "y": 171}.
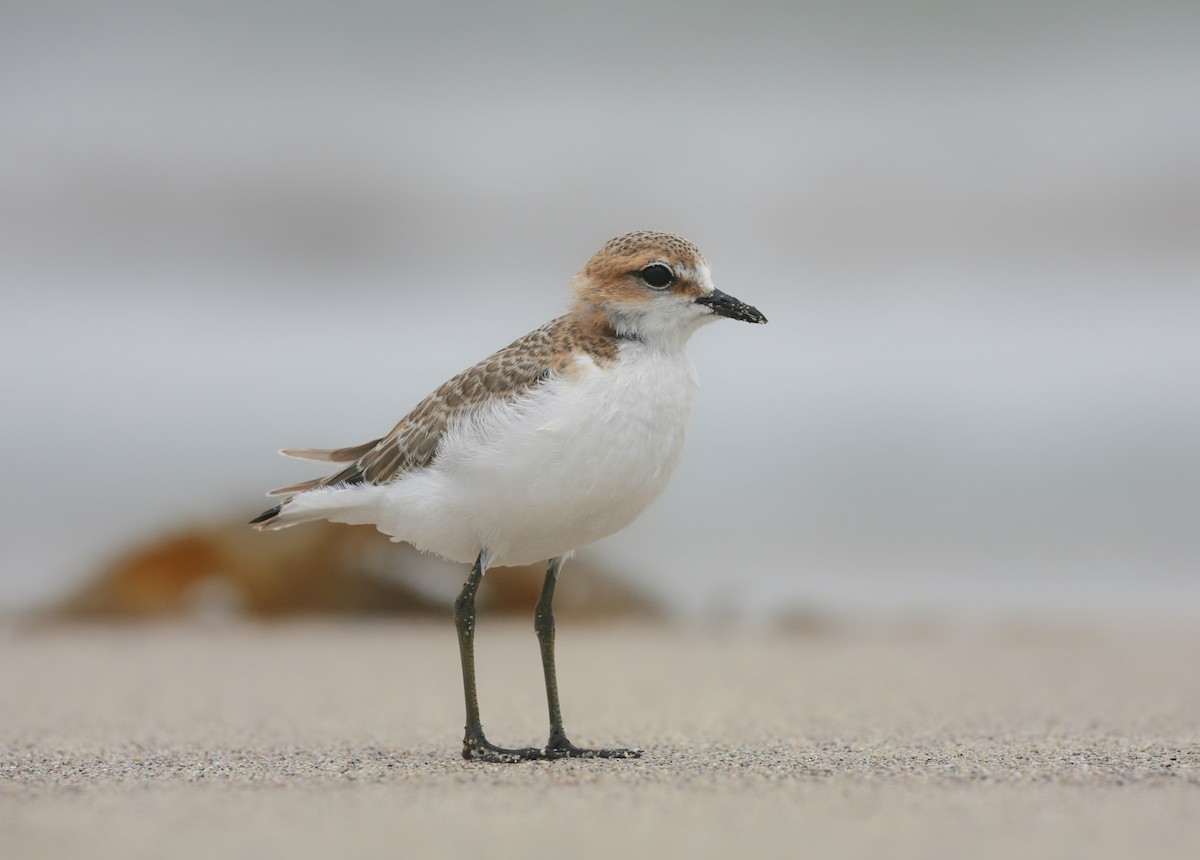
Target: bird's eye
{"x": 657, "y": 276}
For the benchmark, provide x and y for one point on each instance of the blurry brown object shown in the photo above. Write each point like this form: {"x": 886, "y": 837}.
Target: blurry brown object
{"x": 323, "y": 569}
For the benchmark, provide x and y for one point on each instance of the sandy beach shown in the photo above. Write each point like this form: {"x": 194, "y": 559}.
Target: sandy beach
{"x": 315, "y": 739}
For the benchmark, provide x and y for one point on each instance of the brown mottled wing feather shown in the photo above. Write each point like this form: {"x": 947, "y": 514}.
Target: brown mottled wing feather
{"x": 413, "y": 443}
{"x": 331, "y": 455}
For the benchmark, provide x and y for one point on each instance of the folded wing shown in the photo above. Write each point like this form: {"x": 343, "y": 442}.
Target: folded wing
{"x": 413, "y": 443}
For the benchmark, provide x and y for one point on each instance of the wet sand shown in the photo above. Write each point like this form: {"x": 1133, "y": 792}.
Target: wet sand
{"x": 342, "y": 740}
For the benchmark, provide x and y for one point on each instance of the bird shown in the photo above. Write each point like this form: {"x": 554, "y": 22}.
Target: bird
{"x": 561, "y": 438}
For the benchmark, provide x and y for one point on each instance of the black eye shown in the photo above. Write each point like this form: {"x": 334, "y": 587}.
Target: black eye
{"x": 657, "y": 276}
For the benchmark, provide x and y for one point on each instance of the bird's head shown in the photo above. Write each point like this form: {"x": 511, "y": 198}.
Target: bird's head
{"x": 655, "y": 287}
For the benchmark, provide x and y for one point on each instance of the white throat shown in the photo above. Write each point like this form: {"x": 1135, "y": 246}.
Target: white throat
{"x": 666, "y": 326}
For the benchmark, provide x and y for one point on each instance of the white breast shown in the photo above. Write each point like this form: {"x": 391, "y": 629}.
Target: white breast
{"x": 574, "y": 462}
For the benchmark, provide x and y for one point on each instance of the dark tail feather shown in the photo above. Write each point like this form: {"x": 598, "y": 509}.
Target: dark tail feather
{"x": 267, "y": 515}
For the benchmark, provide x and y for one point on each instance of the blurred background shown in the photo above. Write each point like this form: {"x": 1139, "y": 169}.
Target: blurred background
{"x": 975, "y": 228}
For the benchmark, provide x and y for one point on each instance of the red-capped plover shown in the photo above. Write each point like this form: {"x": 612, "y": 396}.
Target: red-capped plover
{"x": 561, "y": 438}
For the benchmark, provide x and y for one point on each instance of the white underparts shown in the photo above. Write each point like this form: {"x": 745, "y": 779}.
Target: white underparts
{"x": 576, "y": 460}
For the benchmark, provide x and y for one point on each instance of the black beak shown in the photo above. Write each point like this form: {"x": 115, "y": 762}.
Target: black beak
{"x": 727, "y": 306}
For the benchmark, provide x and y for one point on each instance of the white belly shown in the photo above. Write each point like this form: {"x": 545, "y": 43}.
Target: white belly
{"x": 575, "y": 462}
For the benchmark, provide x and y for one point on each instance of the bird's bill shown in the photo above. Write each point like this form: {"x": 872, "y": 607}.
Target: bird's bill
{"x": 727, "y": 306}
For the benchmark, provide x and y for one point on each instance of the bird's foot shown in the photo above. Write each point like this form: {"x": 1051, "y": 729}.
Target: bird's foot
{"x": 479, "y": 749}
{"x": 563, "y": 748}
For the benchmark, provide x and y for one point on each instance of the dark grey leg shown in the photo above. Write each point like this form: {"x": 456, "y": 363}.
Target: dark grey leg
{"x": 543, "y": 622}
{"x": 475, "y": 746}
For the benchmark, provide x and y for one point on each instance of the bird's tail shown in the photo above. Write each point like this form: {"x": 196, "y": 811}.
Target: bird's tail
{"x": 263, "y": 521}
{"x": 340, "y": 504}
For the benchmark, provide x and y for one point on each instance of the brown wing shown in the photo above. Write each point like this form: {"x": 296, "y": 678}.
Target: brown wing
{"x": 413, "y": 443}
{"x": 331, "y": 455}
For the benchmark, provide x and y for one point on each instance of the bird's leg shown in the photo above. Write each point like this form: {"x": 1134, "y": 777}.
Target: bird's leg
{"x": 543, "y": 622}
{"x": 475, "y": 746}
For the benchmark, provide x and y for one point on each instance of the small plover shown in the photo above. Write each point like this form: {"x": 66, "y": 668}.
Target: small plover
{"x": 561, "y": 438}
